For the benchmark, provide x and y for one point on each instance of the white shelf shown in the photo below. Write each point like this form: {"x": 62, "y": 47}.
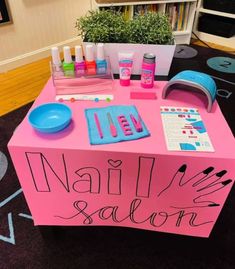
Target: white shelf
{"x": 181, "y": 37}
{"x": 217, "y": 13}
{"x": 227, "y": 42}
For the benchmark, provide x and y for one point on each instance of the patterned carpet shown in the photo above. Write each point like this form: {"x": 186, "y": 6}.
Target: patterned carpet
{"x": 22, "y": 245}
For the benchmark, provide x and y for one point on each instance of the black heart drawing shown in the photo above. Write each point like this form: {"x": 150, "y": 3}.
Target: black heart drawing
{"x": 3, "y": 164}
{"x": 115, "y": 164}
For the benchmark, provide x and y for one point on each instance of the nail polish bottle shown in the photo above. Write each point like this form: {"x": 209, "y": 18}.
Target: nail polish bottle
{"x": 68, "y": 64}
{"x": 56, "y": 62}
{"x": 101, "y": 63}
{"x": 90, "y": 62}
{"x": 79, "y": 61}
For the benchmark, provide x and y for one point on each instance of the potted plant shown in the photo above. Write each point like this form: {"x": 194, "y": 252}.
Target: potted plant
{"x": 150, "y": 33}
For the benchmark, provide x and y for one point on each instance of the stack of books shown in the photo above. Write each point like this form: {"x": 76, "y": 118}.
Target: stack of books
{"x": 178, "y": 15}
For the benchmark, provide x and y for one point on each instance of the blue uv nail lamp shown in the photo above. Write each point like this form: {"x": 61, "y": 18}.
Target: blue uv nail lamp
{"x": 193, "y": 80}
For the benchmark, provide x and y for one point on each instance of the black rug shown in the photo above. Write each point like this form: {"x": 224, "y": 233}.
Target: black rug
{"x": 23, "y": 245}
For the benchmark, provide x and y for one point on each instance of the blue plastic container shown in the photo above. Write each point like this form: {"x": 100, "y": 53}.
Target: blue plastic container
{"x": 50, "y": 117}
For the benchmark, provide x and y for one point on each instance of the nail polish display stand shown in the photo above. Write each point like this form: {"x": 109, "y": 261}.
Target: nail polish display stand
{"x": 82, "y": 85}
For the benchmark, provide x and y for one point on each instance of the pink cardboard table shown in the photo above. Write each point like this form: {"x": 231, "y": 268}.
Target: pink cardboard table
{"x": 139, "y": 184}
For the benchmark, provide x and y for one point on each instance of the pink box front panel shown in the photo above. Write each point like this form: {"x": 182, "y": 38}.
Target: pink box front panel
{"x": 175, "y": 194}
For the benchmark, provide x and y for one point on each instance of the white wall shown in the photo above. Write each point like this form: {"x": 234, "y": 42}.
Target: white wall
{"x": 37, "y": 26}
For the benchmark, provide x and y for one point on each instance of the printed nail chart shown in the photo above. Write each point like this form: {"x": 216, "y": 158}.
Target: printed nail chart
{"x": 184, "y": 130}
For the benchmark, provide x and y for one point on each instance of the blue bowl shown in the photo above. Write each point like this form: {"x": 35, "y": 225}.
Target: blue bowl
{"x": 50, "y": 117}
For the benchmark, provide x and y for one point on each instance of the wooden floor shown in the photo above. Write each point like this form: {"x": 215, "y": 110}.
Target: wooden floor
{"x": 22, "y": 85}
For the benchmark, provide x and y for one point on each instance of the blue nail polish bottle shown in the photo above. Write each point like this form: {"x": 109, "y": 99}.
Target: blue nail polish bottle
{"x": 101, "y": 63}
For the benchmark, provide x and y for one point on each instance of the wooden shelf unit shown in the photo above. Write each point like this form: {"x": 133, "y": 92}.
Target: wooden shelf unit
{"x": 200, "y": 10}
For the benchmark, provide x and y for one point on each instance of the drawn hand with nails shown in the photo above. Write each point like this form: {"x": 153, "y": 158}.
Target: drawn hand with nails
{"x": 203, "y": 184}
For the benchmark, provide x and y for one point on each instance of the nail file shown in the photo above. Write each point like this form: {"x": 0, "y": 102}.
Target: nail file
{"x": 112, "y": 127}
{"x": 137, "y": 123}
{"x": 143, "y": 95}
{"x": 98, "y": 126}
{"x": 124, "y": 124}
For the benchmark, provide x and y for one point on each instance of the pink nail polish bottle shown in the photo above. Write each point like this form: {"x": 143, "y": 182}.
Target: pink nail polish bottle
{"x": 148, "y": 70}
{"x": 79, "y": 61}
